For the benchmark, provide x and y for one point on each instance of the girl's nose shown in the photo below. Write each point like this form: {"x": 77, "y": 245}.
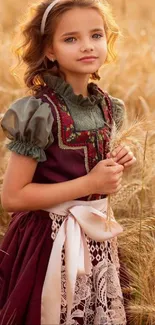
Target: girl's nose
{"x": 87, "y": 47}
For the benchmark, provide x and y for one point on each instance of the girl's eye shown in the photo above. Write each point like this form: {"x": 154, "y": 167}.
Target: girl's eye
{"x": 70, "y": 40}
{"x": 97, "y": 35}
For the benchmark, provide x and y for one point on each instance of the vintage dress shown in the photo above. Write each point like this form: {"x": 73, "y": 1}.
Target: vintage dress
{"x": 67, "y": 134}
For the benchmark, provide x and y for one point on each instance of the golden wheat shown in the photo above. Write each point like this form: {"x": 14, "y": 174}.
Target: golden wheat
{"x": 132, "y": 79}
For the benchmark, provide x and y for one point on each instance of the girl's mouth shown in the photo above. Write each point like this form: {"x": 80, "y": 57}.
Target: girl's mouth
{"x": 88, "y": 59}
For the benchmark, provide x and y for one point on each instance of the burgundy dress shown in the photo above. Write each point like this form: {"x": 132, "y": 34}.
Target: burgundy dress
{"x": 67, "y": 134}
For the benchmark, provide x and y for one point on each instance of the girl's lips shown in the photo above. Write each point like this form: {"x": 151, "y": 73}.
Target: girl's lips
{"x": 88, "y": 58}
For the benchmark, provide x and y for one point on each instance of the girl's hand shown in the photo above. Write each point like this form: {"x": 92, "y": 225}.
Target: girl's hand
{"x": 106, "y": 177}
{"x": 123, "y": 156}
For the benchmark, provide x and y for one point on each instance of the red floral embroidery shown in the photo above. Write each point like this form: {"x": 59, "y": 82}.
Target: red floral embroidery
{"x": 96, "y": 141}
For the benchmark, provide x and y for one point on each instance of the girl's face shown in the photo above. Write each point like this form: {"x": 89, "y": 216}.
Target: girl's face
{"x": 79, "y": 43}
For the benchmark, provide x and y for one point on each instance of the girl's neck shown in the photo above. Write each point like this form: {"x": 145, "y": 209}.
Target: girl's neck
{"x": 79, "y": 84}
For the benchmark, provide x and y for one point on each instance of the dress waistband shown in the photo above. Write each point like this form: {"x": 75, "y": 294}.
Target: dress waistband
{"x": 80, "y": 218}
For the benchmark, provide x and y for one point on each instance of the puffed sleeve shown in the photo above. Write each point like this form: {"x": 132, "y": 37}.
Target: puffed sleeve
{"x": 119, "y": 113}
{"x": 28, "y": 124}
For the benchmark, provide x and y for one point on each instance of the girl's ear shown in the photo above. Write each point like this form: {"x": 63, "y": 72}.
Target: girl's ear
{"x": 49, "y": 54}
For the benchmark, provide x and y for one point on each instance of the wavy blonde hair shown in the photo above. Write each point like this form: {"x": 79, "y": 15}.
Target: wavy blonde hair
{"x": 33, "y": 44}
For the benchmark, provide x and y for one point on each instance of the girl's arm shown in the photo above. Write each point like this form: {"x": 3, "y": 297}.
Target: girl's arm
{"x": 20, "y": 194}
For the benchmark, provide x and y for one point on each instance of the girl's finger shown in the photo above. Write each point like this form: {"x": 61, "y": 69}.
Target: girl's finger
{"x": 115, "y": 152}
{"x": 130, "y": 163}
{"x": 128, "y": 157}
{"x": 109, "y": 155}
{"x": 123, "y": 151}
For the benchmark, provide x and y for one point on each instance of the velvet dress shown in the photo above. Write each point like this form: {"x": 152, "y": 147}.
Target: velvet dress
{"x": 68, "y": 135}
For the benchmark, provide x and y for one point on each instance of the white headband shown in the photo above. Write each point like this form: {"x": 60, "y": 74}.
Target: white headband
{"x": 48, "y": 9}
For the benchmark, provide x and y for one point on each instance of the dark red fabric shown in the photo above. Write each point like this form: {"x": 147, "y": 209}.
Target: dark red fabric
{"x": 22, "y": 270}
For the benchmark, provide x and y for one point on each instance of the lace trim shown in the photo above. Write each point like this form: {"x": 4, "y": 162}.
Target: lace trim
{"x": 98, "y": 298}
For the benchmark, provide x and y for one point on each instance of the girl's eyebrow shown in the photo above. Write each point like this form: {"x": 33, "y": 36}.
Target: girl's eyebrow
{"x": 91, "y": 31}
{"x": 70, "y": 33}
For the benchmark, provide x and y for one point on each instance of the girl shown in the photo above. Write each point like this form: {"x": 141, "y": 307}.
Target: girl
{"x": 58, "y": 263}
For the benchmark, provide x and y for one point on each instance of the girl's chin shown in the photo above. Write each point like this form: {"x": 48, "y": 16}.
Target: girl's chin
{"x": 88, "y": 70}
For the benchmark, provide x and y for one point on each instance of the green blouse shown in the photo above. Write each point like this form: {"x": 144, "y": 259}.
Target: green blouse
{"x": 28, "y": 122}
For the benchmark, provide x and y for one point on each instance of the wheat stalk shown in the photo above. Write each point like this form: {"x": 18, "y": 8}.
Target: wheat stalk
{"x": 138, "y": 130}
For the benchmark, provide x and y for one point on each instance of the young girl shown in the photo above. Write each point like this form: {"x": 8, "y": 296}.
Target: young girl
{"x": 58, "y": 261}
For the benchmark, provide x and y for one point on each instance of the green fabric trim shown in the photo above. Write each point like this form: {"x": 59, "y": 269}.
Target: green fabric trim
{"x": 118, "y": 111}
{"x": 65, "y": 90}
{"x": 27, "y": 149}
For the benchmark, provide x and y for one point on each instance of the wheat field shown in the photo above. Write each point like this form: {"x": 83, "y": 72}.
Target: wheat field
{"x": 131, "y": 78}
